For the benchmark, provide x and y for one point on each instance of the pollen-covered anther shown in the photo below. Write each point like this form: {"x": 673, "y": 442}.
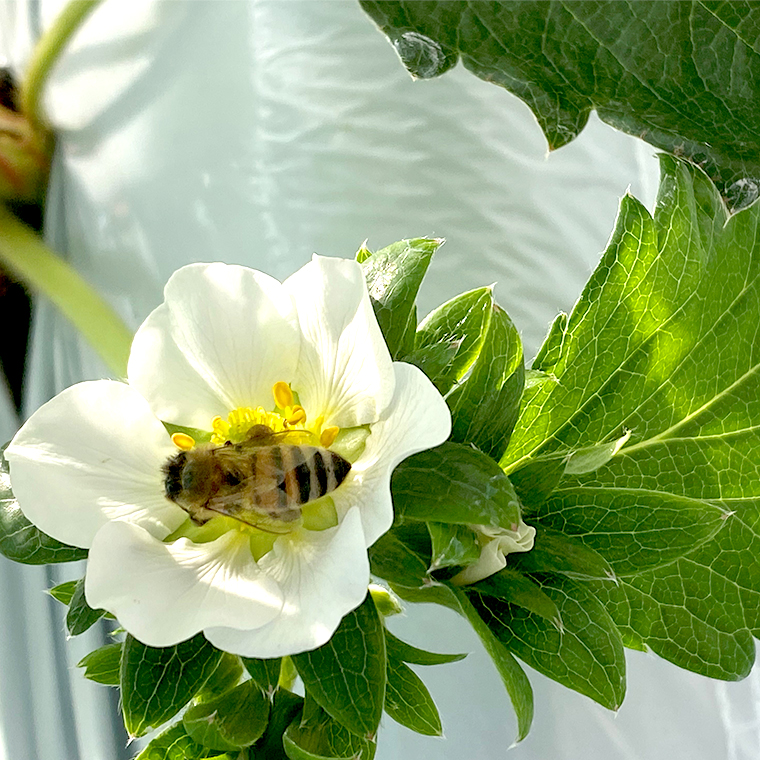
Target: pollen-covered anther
{"x": 295, "y": 416}
{"x": 328, "y": 436}
{"x": 283, "y": 396}
{"x": 183, "y": 441}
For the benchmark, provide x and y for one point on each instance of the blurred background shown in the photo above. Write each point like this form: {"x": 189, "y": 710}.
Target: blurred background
{"x": 258, "y": 132}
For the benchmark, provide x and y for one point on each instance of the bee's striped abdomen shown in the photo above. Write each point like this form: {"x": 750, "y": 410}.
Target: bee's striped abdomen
{"x": 288, "y": 476}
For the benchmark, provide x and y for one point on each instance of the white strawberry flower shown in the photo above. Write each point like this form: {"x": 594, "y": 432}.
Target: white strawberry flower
{"x": 230, "y": 347}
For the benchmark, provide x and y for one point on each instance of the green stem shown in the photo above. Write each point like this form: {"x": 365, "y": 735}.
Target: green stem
{"x": 46, "y": 53}
{"x": 24, "y": 254}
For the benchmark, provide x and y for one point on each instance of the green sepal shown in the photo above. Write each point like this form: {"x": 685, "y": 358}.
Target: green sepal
{"x": 103, "y": 665}
{"x": 175, "y": 744}
{"x": 400, "y": 650}
{"x": 454, "y": 483}
{"x": 554, "y": 552}
{"x": 394, "y": 275}
{"x": 19, "y": 539}
{"x": 81, "y": 617}
{"x": 231, "y": 721}
{"x": 515, "y": 588}
{"x": 585, "y": 655}
{"x": 452, "y": 545}
{"x": 157, "y": 683}
{"x": 286, "y": 707}
{"x": 63, "y": 592}
{"x": 265, "y": 673}
{"x": 486, "y": 404}
{"x": 319, "y": 737}
{"x": 408, "y": 701}
{"x": 450, "y": 338}
{"x": 346, "y": 676}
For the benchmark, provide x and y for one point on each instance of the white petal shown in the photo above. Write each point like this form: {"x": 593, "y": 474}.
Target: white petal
{"x": 417, "y": 419}
{"x": 223, "y": 336}
{"x": 345, "y": 371}
{"x": 323, "y": 577}
{"x": 92, "y": 454}
{"x": 165, "y": 593}
{"x": 491, "y": 560}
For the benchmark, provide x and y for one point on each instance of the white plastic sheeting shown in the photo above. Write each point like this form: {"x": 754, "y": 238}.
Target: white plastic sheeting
{"x": 259, "y": 132}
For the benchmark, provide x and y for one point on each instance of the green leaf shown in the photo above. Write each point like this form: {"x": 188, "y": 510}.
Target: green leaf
{"x": 682, "y": 76}
{"x": 393, "y": 559}
{"x": 157, "y": 683}
{"x": 400, "y": 650}
{"x": 394, "y": 275}
{"x": 63, "y": 592}
{"x": 175, "y": 744}
{"x": 322, "y": 738}
{"x": 450, "y": 338}
{"x": 485, "y": 405}
{"x": 225, "y": 677}
{"x": 554, "y": 552}
{"x": 454, "y": 483}
{"x": 586, "y": 654}
{"x": 536, "y": 481}
{"x": 19, "y": 539}
{"x": 346, "y": 676}
{"x": 102, "y": 665}
{"x": 515, "y": 588}
{"x": 512, "y": 675}
{"x": 265, "y": 673}
{"x": 231, "y": 721}
{"x": 408, "y": 701}
{"x": 286, "y": 706}
{"x": 81, "y": 617}
{"x": 452, "y": 545}
{"x": 663, "y": 342}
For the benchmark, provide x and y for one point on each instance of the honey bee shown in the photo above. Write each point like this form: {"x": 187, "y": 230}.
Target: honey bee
{"x": 257, "y": 481}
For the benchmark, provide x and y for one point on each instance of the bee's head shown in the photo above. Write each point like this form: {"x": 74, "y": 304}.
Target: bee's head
{"x": 173, "y": 475}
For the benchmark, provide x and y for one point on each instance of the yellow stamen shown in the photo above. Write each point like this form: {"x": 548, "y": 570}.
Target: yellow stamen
{"x": 183, "y": 441}
{"x": 283, "y": 396}
{"x": 328, "y": 436}
{"x": 296, "y": 416}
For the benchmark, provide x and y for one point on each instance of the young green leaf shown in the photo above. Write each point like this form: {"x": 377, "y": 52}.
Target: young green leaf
{"x": 175, "y": 744}
{"x": 19, "y": 539}
{"x": 231, "y": 721}
{"x": 675, "y": 95}
{"x": 346, "y": 676}
{"x": 512, "y": 675}
{"x": 452, "y": 545}
{"x": 485, "y": 405}
{"x": 536, "y": 481}
{"x": 454, "y": 483}
{"x": 102, "y": 665}
{"x": 63, "y": 592}
{"x": 394, "y": 275}
{"x": 400, "y": 650}
{"x": 586, "y": 654}
{"x": 663, "y": 342}
{"x": 81, "y": 616}
{"x": 393, "y": 559}
{"x": 408, "y": 701}
{"x": 449, "y": 338}
{"x": 265, "y": 673}
{"x": 157, "y": 683}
